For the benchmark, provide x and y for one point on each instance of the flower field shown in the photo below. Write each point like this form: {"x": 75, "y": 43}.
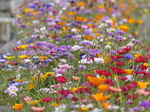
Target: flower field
{"x": 78, "y": 56}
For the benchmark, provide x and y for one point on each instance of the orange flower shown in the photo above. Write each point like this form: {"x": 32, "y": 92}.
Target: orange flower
{"x": 115, "y": 89}
{"x": 128, "y": 71}
{"x": 18, "y": 106}
{"x": 89, "y": 37}
{"x": 143, "y": 92}
{"x": 100, "y": 97}
{"x": 103, "y": 87}
{"x": 81, "y": 18}
{"x": 124, "y": 28}
{"x": 105, "y": 106}
{"x": 80, "y": 4}
{"x": 142, "y": 85}
{"x": 37, "y": 109}
{"x": 139, "y": 22}
{"x": 96, "y": 81}
{"x": 43, "y": 57}
{"x": 132, "y": 21}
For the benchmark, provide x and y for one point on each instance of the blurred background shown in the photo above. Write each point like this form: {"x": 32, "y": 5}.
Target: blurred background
{"x": 9, "y": 8}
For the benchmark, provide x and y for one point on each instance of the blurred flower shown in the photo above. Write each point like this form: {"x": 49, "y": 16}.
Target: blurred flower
{"x": 18, "y": 106}
{"x": 100, "y": 97}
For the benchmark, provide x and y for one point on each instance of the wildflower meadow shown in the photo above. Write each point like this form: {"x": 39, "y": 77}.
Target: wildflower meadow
{"x": 78, "y": 56}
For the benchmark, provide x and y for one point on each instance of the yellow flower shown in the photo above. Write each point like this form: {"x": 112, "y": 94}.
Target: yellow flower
{"x": 31, "y": 86}
{"x": 55, "y": 104}
{"x": 142, "y": 85}
{"x": 129, "y": 71}
{"x": 27, "y": 9}
{"x": 100, "y": 97}
{"x": 18, "y": 106}
{"x": 50, "y": 74}
{"x": 147, "y": 64}
{"x": 33, "y": 102}
{"x": 84, "y": 109}
{"x": 103, "y": 87}
{"x": 101, "y": 6}
{"x": 43, "y": 77}
{"x": 10, "y": 57}
{"x": 24, "y": 56}
{"x": 23, "y": 46}
{"x": 19, "y": 80}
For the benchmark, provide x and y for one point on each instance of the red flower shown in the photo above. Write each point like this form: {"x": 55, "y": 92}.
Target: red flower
{"x": 120, "y": 63}
{"x": 61, "y": 79}
{"x": 46, "y": 99}
{"x": 148, "y": 56}
{"x": 143, "y": 67}
{"x": 134, "y": 84}
{"x": 65, "y": 92}
{"x": 117, "y": 70}
{"x": 121, "y": 52}
{"x": 109, "y": 82}
{"x": 103, "y": 72}
{"x": 134, "y": 96}
{"x": 74, "y": 99}
{"x": 122, "y": 78}
{"x": 127, "y": 49}
{"x": 116, "y": 57}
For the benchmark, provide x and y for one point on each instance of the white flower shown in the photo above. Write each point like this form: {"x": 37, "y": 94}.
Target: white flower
{"x": 108, "y": 47}
{"x": 99, "y": 60}
{"x": 76, "y": 47}
{"x": 74, "y": 30}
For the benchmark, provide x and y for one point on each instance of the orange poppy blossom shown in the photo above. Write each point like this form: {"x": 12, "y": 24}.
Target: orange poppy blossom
{"x": 18, "y": 106}
{"x": 142, "y": 85}
{"x": 100, "y": 97}
{"x": 96, "y": 81}
{"x": 103, "y": 87}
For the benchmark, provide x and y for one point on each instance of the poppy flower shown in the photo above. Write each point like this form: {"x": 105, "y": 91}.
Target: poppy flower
{"x": 61, "y": 79}
{"x": 103, "y": 87}
{"x": 96, "y": 81}
{"x": 18, "y": 106}
{"x": 100, "y": 97}
{"x": 142, "y": 85}
{"x": 46, "y": 99}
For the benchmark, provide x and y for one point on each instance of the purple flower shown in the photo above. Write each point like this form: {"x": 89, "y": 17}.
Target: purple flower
{"x": 145, "y": 104}
{"x": 129, "y": 56}
{"x": 129, "y": 36}
{"x": 111, "y": 33}
{"x": 137, "y": 41}
{"x": 121, "y": 32}
{"x": 82, "y": 67}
